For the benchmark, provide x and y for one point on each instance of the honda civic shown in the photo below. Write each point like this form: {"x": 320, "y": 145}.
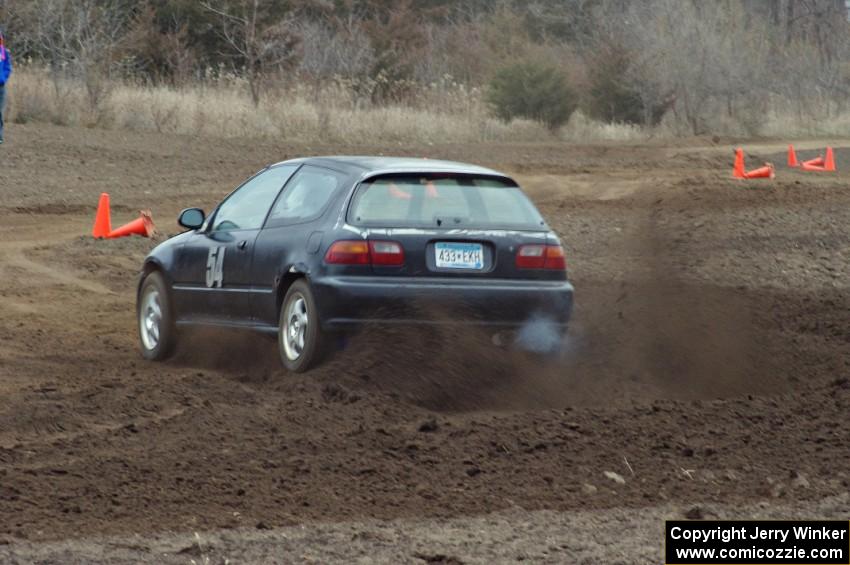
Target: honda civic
{"x": 311, "y": 249}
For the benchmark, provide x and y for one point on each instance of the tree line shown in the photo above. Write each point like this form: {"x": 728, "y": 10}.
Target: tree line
{"x": 699, "y": 64}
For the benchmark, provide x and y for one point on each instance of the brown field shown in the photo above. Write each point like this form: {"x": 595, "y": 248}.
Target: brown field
{"x": 708, "y": 364}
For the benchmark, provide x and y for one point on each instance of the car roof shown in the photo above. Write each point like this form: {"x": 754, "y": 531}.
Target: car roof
{"x": 370, "y": 166}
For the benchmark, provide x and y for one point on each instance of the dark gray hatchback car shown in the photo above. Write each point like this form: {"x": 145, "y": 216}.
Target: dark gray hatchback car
{"x": 311, "y": 247}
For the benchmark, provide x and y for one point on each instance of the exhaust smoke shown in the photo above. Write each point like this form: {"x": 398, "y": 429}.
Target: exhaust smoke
{"x": 539, "y": 335}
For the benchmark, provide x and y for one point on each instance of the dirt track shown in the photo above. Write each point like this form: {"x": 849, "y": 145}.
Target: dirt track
{"x": 709, "y": 359}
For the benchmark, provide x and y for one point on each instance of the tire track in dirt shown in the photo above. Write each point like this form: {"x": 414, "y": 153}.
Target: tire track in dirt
{"x": 17, "y": 238}
{"x": 19, "y": 259}
{"x": 93, "y": 429}
{"x": 20, "y": 235}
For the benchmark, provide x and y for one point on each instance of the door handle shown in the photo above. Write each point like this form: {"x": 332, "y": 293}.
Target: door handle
{"x": 242, "y": 244}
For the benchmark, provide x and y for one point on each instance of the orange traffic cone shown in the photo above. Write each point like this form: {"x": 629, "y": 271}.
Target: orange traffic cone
{"x": 820, "y": 164}
{"x": 765, "y": 172}
{"x": 102, "y": 220}
{"x": 829, "y": 165}
{"x": 792, "y": 157}
{"x": 738, "y": 170}
{"x": 816, "y": 162}
{"x": 143, "y": 226}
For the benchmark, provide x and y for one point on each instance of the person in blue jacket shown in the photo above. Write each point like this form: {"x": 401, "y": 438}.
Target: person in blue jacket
{"x": 5, "y": 71}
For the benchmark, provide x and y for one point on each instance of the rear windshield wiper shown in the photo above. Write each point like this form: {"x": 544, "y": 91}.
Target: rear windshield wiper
{"x": 449, "y": 220}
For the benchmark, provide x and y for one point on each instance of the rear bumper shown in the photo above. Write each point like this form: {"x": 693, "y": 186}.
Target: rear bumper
{"x": 347, "y": 301}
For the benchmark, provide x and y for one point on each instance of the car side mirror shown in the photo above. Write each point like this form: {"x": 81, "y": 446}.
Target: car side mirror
{"x": 192, "y": 218}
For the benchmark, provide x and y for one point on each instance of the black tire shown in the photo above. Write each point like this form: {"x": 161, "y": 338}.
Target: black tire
{"x": 301, "y": 341}
{"x": 157, "y": 333}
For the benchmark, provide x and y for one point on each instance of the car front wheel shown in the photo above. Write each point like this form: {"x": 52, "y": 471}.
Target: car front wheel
{"x": 301, "y": 339}
{"x": 157, "y": 334}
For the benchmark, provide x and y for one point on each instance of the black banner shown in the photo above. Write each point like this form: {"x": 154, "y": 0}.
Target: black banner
{"x": 762, "y": 542}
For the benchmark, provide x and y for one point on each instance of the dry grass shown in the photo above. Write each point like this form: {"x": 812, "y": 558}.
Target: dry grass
{"x": 819, "y": 117}
{"x": 441, "y": 113}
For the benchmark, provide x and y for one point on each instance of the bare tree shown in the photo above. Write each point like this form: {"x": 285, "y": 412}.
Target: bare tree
{"x": 81, "y": 39}
{"x": 338, "y": 48}
{"x": 256, "y": 39}
{"x": 160, "y": 50}
{"x": 700, "y": 59}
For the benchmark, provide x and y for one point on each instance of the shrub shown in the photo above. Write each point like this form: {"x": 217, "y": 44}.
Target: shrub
{"x": 532, "y": 90}
{"x": 612, "y": 98}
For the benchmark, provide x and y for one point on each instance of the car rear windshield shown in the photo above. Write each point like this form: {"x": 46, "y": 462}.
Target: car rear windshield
{"x": 461, "y": 201}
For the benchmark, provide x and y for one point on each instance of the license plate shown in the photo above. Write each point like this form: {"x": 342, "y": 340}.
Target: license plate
{"x": 459, "y": 255}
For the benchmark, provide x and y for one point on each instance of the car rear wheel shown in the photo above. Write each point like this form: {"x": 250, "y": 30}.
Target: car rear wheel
{"x": 157, "y": 333}
{"x": 301, "y": 339}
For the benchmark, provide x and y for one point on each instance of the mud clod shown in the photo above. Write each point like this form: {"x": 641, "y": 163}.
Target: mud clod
{"x": 429, "y": 426}
{"x": 438, "y": 558}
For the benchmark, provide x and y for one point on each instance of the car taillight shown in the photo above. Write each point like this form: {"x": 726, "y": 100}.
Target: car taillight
{"x": 362, "y": 252}
{"x": 531, "y": 257}
{"x": 541, "y": 257}
{"x": 555, "y": 258}
{"x": 386, "y": 253}
{"x": 348, "y": 253}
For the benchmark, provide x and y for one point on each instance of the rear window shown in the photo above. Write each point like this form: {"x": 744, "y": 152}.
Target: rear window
{"x": 443, "y": 201}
